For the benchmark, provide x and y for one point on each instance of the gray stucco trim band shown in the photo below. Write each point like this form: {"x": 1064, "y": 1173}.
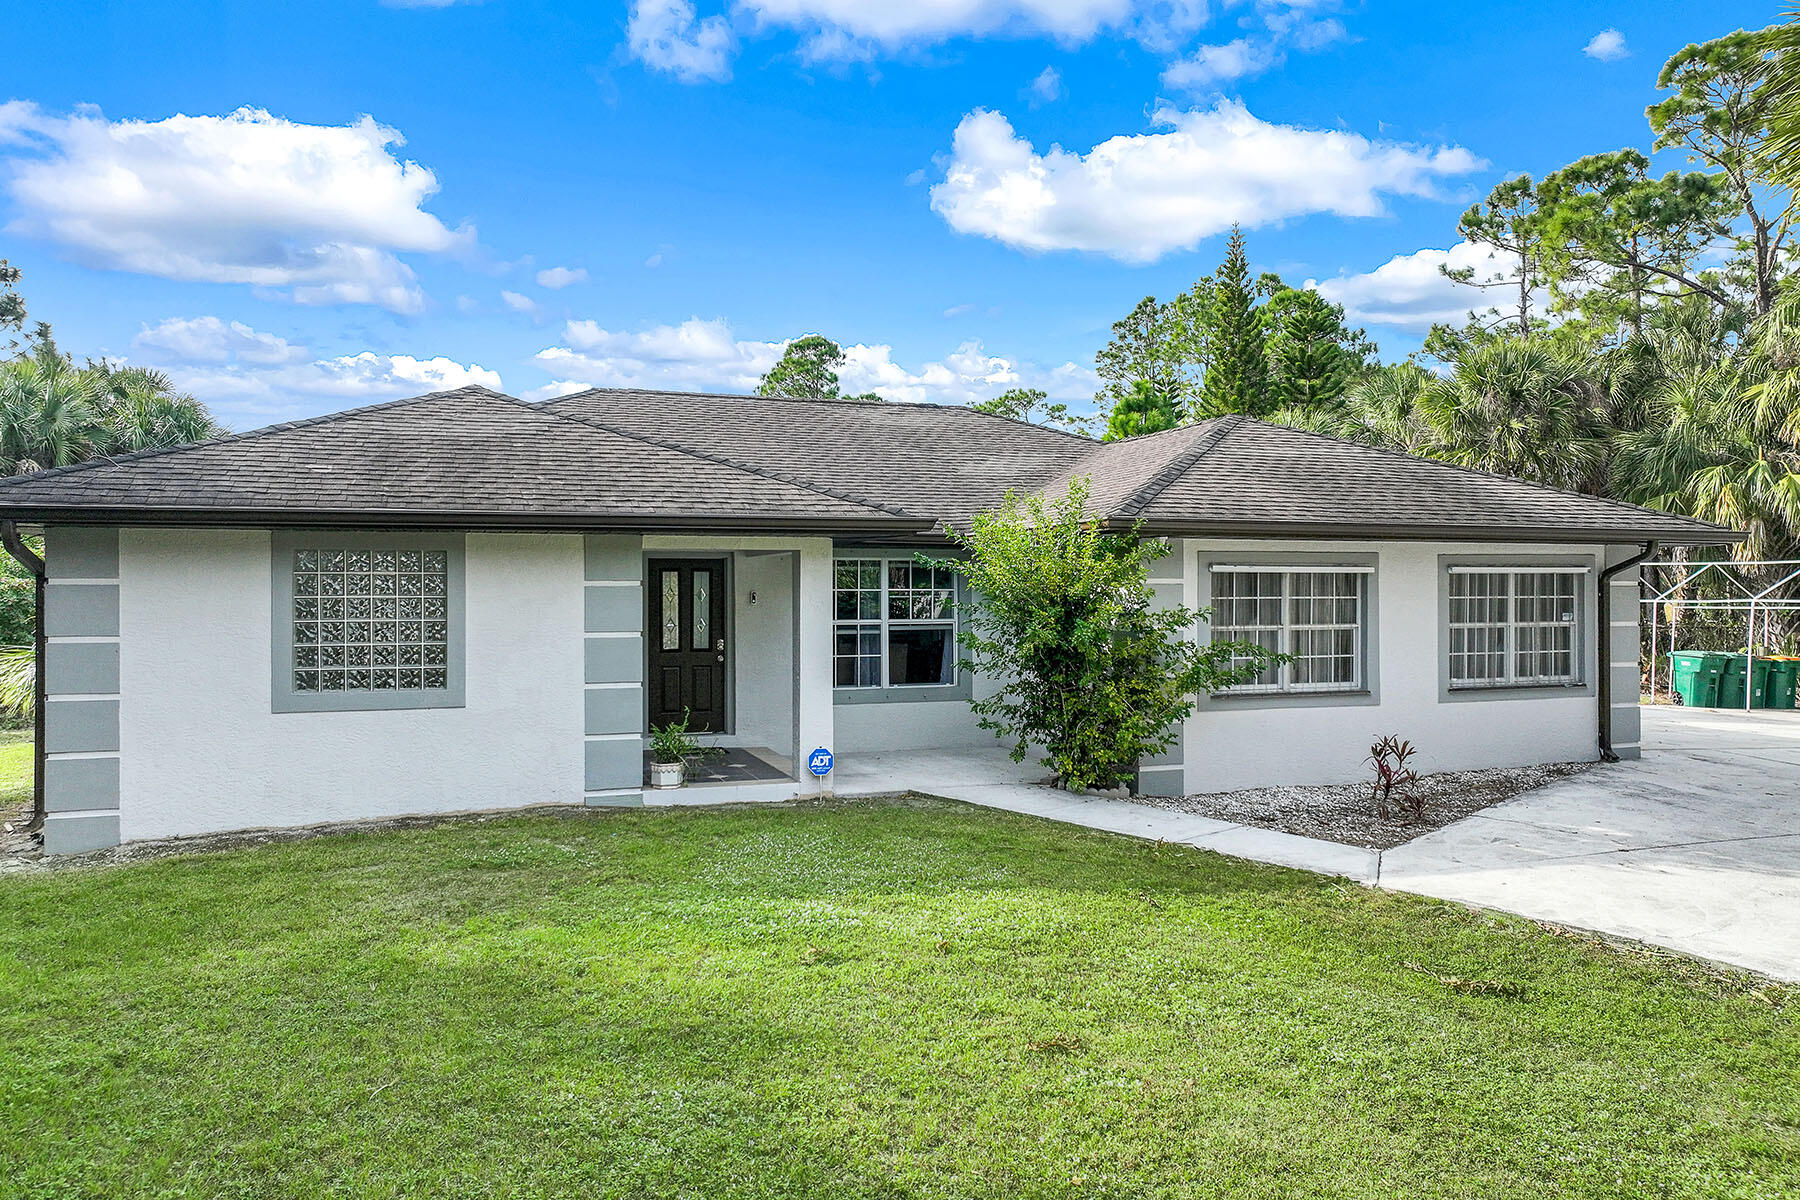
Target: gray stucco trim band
{"x": 80, "y": 609}
{"x": 1162, "y": 781}
{"x": 81, "y": 685}
{"x": 613, "y": 670}
{"x": 79, "y": 832}
{"x": 81, "y": 784}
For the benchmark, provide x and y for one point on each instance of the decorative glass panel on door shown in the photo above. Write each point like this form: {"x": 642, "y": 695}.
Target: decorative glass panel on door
{"x": 671, "y": 610}
{"x": 702, "y": 609}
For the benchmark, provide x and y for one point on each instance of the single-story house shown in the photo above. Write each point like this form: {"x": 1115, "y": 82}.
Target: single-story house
{"x": 466, "y": 601}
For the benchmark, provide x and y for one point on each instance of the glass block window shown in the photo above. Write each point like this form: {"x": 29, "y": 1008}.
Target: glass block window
{"x": 367, "y": 621}
{"x": 895, "y": 624}
{"x": 1316, "y": 615}
{"x": 371, "y": 620}
{"x": 1511, "y": 627}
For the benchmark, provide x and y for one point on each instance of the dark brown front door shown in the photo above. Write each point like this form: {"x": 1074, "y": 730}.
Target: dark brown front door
{"x": 687, "y": 642}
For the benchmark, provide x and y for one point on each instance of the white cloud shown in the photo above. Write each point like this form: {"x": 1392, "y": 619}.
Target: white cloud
{"x": 209, "y": 339}
{"x": 556, "y": 278}
{"x": 701, "y": 355}
{"x": 1137, "y": 197}
{"x": 892, "y": 25}
{"x": 665, "y": 36}
{"x": 695, "y": 355}
{"x": 1284, "y": 24}
{"x": 654, "y": 261}
{"x": 1411, "y": 292}
{"x": 1047, "y": 88}
{"x": 1608, "y": 46}
{"x": 320, "y": 210}
{"x": 519, "y": 303}
{"x": 958, "y": 310}
{"x": 251, "y": 378}
{"x": 1208, "y": 66}
{"x": 669, "y": 35}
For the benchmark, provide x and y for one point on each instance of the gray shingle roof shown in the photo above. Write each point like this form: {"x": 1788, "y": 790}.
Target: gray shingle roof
{"x": 622, "y": 458}
{"x": 1243, "y": 475}
{"x": 946, "y": 461}
{"x": 468, "y": 453}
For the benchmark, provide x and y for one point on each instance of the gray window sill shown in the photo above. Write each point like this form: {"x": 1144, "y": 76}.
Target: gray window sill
{"x": 1346, "y": 693}
{"x": 904, "y": 693}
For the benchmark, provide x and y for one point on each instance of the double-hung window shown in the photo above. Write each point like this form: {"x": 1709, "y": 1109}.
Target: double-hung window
{"x": 895, "y": 624}
{"x": 1318, "y": 615}
{"x": 1514, "y": 627}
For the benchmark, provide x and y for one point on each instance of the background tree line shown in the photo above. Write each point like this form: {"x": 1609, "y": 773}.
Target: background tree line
{"x": 54, "y": 413}
{"x": 1229, "y": 344}
{"x": 1637, "y": 338}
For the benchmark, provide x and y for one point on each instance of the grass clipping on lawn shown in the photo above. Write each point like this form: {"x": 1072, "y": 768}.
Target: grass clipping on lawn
{"x": 893, "y": 999}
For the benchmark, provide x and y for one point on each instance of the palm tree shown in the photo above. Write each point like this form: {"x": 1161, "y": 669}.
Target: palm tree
{"x": 1380, "y": 408}
{"x": 1519, "y": 407}
{"x": 49, "y": 413}
{"x": 54, "y": 414}
{"x": 141, "y": 410}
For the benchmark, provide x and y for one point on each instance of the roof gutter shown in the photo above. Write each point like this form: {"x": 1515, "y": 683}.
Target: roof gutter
{"x": 485, "y": 521}
{"x": 15, "y": 546}
{"x": 1603, "y": 643}
{"x": 1702, "y": 534}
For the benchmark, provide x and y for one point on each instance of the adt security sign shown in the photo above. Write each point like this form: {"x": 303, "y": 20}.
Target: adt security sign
{"x": 819, "y": 762}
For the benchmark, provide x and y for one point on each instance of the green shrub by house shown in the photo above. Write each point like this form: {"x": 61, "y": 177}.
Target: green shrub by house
{"x": 1092, "y": 673}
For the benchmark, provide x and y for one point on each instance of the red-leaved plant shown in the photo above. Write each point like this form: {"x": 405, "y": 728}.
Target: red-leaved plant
{"x": 1392, "y": 788}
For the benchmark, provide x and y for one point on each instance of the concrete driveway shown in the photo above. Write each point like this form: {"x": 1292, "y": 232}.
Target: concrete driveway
{"x": 1696, "y": 847}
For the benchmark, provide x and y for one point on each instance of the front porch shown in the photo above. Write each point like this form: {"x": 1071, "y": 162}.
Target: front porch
{"x": 732, "y": 632}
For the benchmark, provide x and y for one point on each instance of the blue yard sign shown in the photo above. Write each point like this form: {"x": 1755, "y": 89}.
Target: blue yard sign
{"x": 819, "y": 762}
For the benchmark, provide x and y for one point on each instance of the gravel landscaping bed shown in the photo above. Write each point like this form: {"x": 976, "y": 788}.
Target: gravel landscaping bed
{"x": 1345, "y": 812}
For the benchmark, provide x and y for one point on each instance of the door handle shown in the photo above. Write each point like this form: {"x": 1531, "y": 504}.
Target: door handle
{"x": 720, "y": 647}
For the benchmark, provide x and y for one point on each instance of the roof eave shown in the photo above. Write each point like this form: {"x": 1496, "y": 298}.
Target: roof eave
{"x": 1699, "y": 535}
{"x": 746, "y": 523}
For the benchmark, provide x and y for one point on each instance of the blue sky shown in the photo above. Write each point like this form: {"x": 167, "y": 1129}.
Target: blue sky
{"x": 967, "y": 192}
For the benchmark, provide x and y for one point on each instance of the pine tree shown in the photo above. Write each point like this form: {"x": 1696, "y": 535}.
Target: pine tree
{"x": 1145, "y": 409}
{"x": 1147, "y": 346}
{"x": 1308, "y": 364}
{"x": 1237, "y": 365}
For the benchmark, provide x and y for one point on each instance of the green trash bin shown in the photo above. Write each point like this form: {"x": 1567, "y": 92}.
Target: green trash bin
{"x": 1784, "y": 677}
{"x": 1697, "y": 675}
{"x": 1731, "y": 684}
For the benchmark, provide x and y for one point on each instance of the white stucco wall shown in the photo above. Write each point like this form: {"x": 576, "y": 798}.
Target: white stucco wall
{"x": 912, "y": 725}
{"x": 1233, "y": 744}
{"x": 201, "y": 750}
{"x": 763, "y": 633}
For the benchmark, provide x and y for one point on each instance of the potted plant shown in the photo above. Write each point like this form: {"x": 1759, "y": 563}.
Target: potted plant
{"x": 670, "y": 748}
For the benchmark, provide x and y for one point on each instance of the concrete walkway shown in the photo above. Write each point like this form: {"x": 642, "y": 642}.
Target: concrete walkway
{"x": 988, "y": 778}
{"x": 1696, "y": 847}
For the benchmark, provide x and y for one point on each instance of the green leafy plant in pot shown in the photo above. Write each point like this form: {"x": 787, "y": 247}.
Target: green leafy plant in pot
{"x": 670, "y": 748}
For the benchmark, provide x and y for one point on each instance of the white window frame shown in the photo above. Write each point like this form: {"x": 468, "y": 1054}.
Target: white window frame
{"x": 887, "y": 624}
{"x": 1284, "y": 683}
{"x": 1511, "y": 625}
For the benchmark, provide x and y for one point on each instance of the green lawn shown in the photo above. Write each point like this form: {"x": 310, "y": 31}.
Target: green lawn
{"x": 883, "y": 1000}
{"x": 15, "y": 768}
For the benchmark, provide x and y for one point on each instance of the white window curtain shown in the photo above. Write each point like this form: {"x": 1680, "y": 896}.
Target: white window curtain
{"x": 1514, "y": 627}
{"x": 1315, "y": 614}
